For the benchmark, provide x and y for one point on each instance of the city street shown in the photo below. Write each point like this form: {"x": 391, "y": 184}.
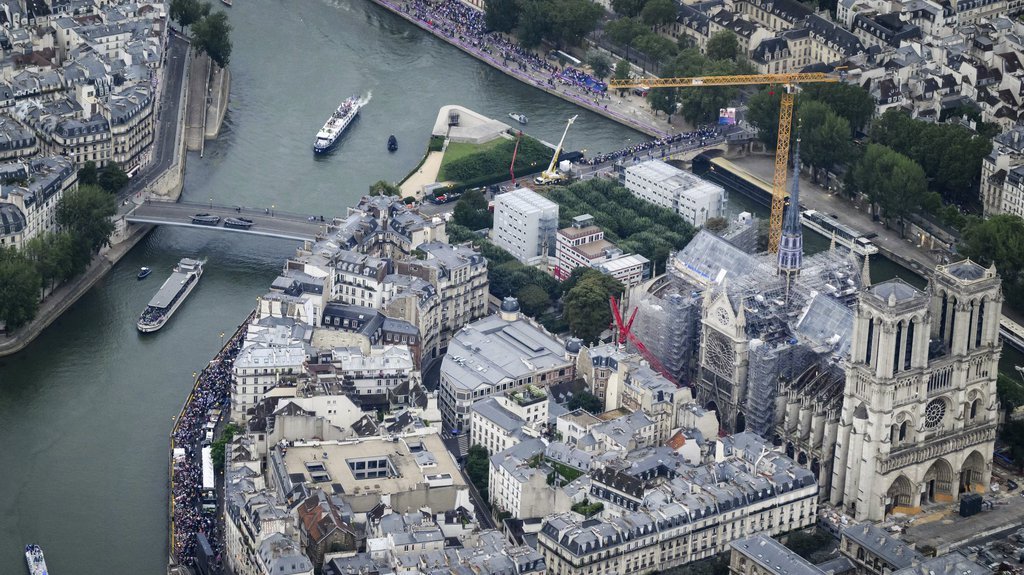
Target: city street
{"x": 167, "y": 117}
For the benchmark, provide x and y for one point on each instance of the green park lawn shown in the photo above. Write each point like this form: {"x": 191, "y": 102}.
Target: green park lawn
{"x": 457, "y": 150}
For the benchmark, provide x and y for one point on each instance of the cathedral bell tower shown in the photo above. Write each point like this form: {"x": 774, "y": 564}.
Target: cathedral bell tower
{"x": 919, "y": 405}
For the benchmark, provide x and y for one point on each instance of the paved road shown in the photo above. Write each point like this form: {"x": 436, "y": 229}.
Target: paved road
{"x": 266, "y": 223}
{"x": 168, "y": 112}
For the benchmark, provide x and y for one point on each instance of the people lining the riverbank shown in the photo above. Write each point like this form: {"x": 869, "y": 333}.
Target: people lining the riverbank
{"x": 211, "y": 392}
{"x": 467, "y": 25}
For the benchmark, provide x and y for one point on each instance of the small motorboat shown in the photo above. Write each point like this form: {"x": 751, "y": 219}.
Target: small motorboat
{"x": 521, "y": 118}
{"x": 144, "y": 273}
{"x": 226, "y": 2}
{"x": 392, "y": 143}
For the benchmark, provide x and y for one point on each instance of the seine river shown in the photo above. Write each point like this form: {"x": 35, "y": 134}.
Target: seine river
{"x": 86, "y": 410}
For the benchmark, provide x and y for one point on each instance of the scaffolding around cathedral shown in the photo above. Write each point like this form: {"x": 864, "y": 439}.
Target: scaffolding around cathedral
{"x": 791, "y": 326}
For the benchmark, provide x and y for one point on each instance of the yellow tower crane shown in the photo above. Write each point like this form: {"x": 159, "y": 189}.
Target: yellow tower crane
{"x": 788, "y": 84}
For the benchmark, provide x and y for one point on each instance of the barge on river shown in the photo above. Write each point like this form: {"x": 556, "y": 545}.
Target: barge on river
{"x": 171, "y": 295}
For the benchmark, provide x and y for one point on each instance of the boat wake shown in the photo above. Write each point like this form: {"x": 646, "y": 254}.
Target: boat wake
{"x": 364, "y": 100}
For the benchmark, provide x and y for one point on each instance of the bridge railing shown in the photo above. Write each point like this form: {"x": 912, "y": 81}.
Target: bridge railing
{"x": 201, "y": 207}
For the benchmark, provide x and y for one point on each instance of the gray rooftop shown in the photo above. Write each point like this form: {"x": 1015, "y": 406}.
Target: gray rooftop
{"x": 493, "y": 350}
{"x": 773, "y": 556}
{"x": 879, "y": 543}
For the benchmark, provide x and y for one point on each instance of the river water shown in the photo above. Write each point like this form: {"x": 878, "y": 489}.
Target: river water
{"x": 86, "y": 410}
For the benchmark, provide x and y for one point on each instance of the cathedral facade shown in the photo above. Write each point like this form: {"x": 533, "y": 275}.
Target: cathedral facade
{"x": 919, "y": 408}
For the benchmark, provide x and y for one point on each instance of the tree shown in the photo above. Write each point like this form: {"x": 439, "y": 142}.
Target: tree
{"x": 848, "y": 100}
{"x": 763, "y": 114}
{"x": 572, "y": 20}
{"x": 534, "y": 24}
{"x": 723, "y": 45}
{"x": 112, "y": 179}
{"x": 86, "y": 213}
{"x": 716, "y": 224}
{"x": 999, "y": 240}
{"x": 628, "y": 8}
{"x": 891, "y": 181}
{"x": 212, "y": 35}
{"x": 658, "y": 49}
{"x": 625, "y": 32}
{"x": 622, "y": 72}
{"x": 950, "y": 154}
{"x": 533, "y": 300}
{"x": 19, "y": 288}
{"x": 384, "y": 188}
{"x": 501, "y": 15}
{"x": 657, "y": 13}
{"x": 701, "y": 106}
{"x": 87, "y": 173}
{"x": 188, "y": 12}
{"x": 600, "y": 64}
{"x": 478, "y": 468}
{"x": 824, "y": 136}
{"x": 663, "y": 100}
{"x": 53, "y": 255}
{"x": 586, "y": 401}
{"x": 472, "y": 212}
{"x": 1010, "y": 393}
{"x": 586, "y": 305}
{"x": 217, "y": 448}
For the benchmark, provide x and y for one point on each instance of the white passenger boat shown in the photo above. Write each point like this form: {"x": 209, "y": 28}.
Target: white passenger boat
{"x": 34, "y": 559}
{"x": 171, "y": 295}
{"x": 829, "y": 227}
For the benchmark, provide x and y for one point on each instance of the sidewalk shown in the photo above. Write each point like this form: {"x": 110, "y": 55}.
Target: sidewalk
{"x": 631, "y": 111}
{"x": 426, "y": 174}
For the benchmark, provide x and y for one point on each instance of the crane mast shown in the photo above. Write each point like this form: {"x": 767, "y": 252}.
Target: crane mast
{"x": 790, "y": 83}
{"x": 551, "y": 175}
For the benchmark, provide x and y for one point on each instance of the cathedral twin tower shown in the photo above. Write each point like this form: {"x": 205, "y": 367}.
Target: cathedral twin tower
{"x": 919, "y": 413}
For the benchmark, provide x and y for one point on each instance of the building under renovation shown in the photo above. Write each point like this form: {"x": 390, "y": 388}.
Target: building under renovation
{"x": 740, "y": 327}
{"x": 886, "y": 392}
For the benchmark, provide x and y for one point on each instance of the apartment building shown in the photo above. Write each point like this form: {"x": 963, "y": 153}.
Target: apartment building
{"x": 498, "y": 422}
{"x": 505, "y": 352}
{"x": 693, "y": 198}
{"x": 689, "y": 513}
{"x": 525, "y": 224}
{"x": 29, "y": 194}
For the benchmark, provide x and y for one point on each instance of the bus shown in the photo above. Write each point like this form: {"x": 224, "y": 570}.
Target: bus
{"x": 208, "y": 490}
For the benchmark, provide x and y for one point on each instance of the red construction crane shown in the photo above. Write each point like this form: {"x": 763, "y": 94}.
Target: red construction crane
{"x": 512, "y": 166}
{"x": 624, "y": 333}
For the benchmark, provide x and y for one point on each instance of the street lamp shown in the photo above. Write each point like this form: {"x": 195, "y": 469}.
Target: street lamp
{"x": 272, "y": 206}
{"x": 211, "y": 203}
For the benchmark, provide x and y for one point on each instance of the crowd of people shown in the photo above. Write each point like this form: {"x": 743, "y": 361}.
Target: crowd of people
{"x": 211, "y": 392}
{"x": 699, "y": 136}
{"x": 459, "y": 21}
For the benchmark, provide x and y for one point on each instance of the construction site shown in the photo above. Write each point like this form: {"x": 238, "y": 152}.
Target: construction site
{"x": 791, "y": 326}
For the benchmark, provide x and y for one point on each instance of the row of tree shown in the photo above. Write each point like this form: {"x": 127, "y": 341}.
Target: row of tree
{"x": 50, "y": 258}
{"x": 211, "y": 32}
{"x": 560, "y": 22}
{"x": 631, "y": 223}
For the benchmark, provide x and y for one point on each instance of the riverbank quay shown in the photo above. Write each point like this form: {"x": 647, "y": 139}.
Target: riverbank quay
{"x": 623, "y": 110}
{"x": 211, "y": 390}
{"x": 66, "y": 295}
{"x": 162, "y": 178}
